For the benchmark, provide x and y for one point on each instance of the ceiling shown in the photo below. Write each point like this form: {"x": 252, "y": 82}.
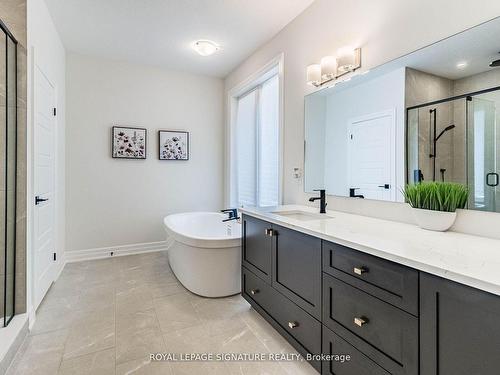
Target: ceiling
{"x": 159, "y": 32}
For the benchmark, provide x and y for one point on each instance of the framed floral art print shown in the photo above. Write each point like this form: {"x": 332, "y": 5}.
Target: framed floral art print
{"x": 128, "y": 143}
{"x": 173, "y": 145}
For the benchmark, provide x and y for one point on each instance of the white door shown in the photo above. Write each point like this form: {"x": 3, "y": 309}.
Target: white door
{"x": 44, "y": 178}
{"x": 372, "y": 156}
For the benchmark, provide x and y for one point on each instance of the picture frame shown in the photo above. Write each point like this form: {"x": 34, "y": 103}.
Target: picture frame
{"x": 173, "y": 145}
{"x": 128, "y": 142}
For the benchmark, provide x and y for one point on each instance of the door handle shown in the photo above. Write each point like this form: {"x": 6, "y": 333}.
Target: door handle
{"x": 385, "y": 186}
{"x": 488, "y": 179}
{"x": 39, "y": 200}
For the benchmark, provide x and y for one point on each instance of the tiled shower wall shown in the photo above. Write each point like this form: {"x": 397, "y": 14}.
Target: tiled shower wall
{"x": 423, "y": 88}
{"x": 13, "y": 14}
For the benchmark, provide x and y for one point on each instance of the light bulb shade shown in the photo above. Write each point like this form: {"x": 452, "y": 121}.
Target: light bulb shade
{"x": 205, "y": 47}
{"x": 314, "y": 74}
{"x": 328, "y": 67}
{"x": 348, "y": 59}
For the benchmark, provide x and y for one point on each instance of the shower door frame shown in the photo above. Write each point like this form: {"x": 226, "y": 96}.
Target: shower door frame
{"x": 9, "y": 35}
{"x": 440, "y": 101}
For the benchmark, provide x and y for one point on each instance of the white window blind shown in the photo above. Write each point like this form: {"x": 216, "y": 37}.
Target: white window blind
{"x": 257, "y": 141}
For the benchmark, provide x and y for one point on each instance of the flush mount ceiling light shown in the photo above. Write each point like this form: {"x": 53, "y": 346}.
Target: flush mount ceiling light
{"x": 331, "y": 68}
{"x": 205, "y": 47}
{"x": 462, "y": 65}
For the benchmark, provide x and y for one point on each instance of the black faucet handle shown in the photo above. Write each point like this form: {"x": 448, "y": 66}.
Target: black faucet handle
{"x": 322, "y": 192}
{"x": 233, "y": 212}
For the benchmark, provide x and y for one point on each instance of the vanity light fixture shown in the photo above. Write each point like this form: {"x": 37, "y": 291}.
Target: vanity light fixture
{"x": 346, "y": 59}
{"x": 205, "y": 47}
{"x": 328, "y": 67}
{"x": 332, "y": 68}
{"x": 314, "y": 74}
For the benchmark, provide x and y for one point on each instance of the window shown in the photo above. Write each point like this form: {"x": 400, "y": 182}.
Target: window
{"x": 255, "y": 176}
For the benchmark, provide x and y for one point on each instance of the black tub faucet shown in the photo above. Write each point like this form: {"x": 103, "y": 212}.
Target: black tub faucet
{"x": 232, "y": 212}
{"x": 322, "y": 202}
{"x": 352, "y": 193}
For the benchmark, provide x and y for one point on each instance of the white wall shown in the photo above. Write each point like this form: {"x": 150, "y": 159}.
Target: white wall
{"x": 385, "y": 29}
{"x": 112, "y": 202}
{"x": 46, "y": 50}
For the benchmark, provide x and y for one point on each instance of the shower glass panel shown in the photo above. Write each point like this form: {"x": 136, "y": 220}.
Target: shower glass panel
{"x": 436, "y": 142}
{"x": 482, "y": 155}
{"x": 8, "y": 152}
{"x": 457, "y": 140}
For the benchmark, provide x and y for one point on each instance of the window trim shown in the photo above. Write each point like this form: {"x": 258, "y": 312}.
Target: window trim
{"x": 275, "y": 66}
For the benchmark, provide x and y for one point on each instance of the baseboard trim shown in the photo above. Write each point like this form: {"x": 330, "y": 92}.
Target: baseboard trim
{"x": 11, "y": 339}
{"x": 115, "y": 251}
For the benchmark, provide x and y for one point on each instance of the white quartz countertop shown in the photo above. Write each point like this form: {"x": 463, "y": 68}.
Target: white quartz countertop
{"x": 466, "y": 259}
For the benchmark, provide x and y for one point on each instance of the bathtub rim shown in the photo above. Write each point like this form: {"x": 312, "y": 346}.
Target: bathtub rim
{"x": 199, "y": 241}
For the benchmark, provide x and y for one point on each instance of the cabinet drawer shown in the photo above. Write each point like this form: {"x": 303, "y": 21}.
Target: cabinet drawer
{"x": 297, "y": 268}
{"x": 391, "y": 282}
{"x": 358, "y": 363}
{"x": 295, "y": 321}
{"x": 257, "y": 247}
{"x": 393, "y": 332}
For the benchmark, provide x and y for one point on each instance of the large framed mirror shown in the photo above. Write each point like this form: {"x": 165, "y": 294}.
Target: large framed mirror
{"x": 431, "y": 115}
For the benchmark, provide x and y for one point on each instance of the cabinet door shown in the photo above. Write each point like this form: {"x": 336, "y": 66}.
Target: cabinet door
{"x": 257, "y": 247}
{"x": 459, "y": 329}
{"x": 297, "y": 268}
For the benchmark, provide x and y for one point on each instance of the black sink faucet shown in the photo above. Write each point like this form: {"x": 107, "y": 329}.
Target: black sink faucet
{"x": 352, "y": 193}
{"x": 322, "y": 197}
{"x": 232, "y": 212}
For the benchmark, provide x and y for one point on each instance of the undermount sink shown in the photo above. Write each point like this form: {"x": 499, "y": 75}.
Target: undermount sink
{"x": 301, "y": 215}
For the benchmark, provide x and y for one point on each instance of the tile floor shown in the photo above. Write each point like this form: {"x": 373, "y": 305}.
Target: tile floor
{"x": 105, "y": 317}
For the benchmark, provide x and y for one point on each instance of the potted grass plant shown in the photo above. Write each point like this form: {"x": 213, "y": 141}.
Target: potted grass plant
{"x": 434, "y": 204}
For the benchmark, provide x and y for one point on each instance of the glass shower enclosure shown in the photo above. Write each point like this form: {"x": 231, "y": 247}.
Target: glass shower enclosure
{"x": 457, "y": 140}
{"x": 8, "y": 161}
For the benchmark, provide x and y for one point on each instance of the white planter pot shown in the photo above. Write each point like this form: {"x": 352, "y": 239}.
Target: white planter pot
{"x": 434, "y": 220}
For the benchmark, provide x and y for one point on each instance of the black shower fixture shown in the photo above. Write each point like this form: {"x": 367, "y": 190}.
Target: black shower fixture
{"x": 448, "y": 128}
{"x": 495, "y": 63}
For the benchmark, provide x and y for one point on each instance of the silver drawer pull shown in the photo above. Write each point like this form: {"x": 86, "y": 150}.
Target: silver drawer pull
{"x": 269, "y": 232}
{"x": 360, "y": 270}
{"x": 293, "y": 325}
{"x": 360, "y": 322}
{"x": 254, "y": 291}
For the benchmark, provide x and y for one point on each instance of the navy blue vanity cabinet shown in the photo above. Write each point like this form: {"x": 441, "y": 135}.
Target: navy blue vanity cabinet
{"x": 257, "y": 242}
{"x": 388, "y": 281}
{"x": 345, "y": 358}
{"x": 323, "y": 297}
{"x": 380, "y": 331}
{"x": 297, "y": 268}
{"x": 459, "y": 329}
{"x": 281, "y": 279}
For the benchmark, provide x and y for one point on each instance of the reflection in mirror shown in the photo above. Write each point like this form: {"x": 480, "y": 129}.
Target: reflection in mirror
{"x": 351, "y": 138}
{"x": 452, "y": 119}
{"x": 444, "y": 98}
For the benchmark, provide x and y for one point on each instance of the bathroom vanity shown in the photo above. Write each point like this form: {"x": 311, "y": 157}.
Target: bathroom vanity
{"x": 395, "y": 298}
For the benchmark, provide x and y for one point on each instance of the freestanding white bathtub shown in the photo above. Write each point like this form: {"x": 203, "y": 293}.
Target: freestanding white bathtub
{"x": 206, "y": 253}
